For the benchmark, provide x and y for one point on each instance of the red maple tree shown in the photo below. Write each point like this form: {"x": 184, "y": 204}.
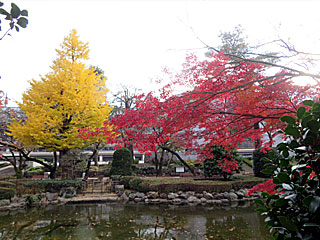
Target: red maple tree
{"x": 223, "y": 105}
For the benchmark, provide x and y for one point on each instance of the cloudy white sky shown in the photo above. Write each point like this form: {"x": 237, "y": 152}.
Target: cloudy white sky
{"x": 132, "y": 40}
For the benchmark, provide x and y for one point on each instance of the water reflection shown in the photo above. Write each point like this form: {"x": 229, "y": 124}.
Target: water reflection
{"x": 120, "y": 221}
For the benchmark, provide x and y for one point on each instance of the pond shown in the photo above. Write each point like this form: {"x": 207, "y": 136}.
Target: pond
{"x": 130, "y": 221}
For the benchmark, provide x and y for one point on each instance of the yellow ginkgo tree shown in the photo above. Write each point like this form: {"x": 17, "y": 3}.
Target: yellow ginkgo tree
{"x": 69, "y": 98}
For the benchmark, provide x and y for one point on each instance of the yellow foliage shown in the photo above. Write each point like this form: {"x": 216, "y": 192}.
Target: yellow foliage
{"x": 70, "y": 97}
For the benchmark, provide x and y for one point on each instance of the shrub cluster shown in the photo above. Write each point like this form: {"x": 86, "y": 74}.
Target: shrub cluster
{"x": 51, "y": 185}
{"x": 145, "y": 185}
{"x": 121, "y": 162}
{"x": 7, "y": 190}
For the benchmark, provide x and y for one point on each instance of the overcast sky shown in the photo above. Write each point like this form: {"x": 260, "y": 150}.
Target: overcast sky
{"x": 132, "y": 40}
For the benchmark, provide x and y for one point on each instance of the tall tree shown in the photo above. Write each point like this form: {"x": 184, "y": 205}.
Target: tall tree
{"x": 70, "y": 97}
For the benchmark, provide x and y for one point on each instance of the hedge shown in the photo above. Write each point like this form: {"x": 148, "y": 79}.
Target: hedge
{"x": 52, "y": 185}
{"x": 145, "y": 185}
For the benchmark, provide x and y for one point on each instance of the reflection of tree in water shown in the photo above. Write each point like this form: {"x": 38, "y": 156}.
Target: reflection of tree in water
{"x": 117, "y": 221}
{"x": 233, "y": 227}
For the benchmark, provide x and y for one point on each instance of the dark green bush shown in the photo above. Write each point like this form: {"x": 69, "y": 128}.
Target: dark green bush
{"x": 7, "y": 190}
{"x": 52, "y": 185}
{"x": 124, "y": 180}
{"x": 259, "y": 163}
{"x": 121, "y": 162}
{"x": 134, "y": 183}
{"x": 292, "y": 207}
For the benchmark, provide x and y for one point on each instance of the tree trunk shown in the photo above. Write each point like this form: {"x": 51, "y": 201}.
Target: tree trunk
{"x": 180, "y": 159}
{"x": 54, "y": 167}
{"x": 159, "y": 172}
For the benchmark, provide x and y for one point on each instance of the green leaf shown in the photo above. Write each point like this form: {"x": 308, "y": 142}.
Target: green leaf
{"x": 288, "y": 119}
{"x": 300, "y": 112}
{"x": 24, "y": 13}
{"x": 308, "y": 103}
{"x": 292, "y": 131}
{"x": 4, "y": 12}
{"x": 17, "y": 28}
{"x": 294, "y": 144}
{"x": 313, "y": 125}
{"x": 11, "y": 25}
{"x": 261, "y": 210}
{"x": 284, "y": 177}
{"x": 285, "y": 153}
{"x": 268, "y": 170}
{"x": 22, "y": 22}
{"x": 307, "y": 200}
{"x": 271, "y": 154}
{"x": 280, "y": 202}
{"x": 287, "y": 223}
{"x": 305, "y": 120}
{"x": 259, "y": 202}
{"x": 15, "y": 11}
{"x": 314, "y": 204}
{"x": 1, "y": 4}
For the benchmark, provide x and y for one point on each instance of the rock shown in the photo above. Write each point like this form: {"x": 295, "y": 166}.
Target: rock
{"x": 240, "y": 194}
{"x": 193, "y": 199}
{"x": 233, "y": 196}
{"x": 137, "y": 199}
{"x": 207, "y": 195}
{"x": 157, "y": 200}
{"x": 153, "y": 195}
{"x": 225, "y": 201}
{"x": 17, "y": 205}
{"x": 51, "y": 196}
{"x": 132, "y": 196}
{"x": 219, "y": 196}
{"x": 119, "y": 189}
{"x": 124, "y": 197}
{"x": 140, "y": 195}
{"x": 216, "y": 202}
{"x": 67, "y": 192}
{"x": 203, "y": 200}
{"x": 184, "y": 196}
{"x": 199, "y": 195}
{"x": 176, "y": 201}
{"x": 163, "y": 195}
{"x": 190, "y": 193}
{"x": 4, "y": 202}
{"x": 161, "y": 200}
{"x": 172, "y": 196}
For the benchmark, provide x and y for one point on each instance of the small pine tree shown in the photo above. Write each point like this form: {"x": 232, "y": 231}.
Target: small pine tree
{"x": 259, "y": 163}
{"x": 121, "y": 162}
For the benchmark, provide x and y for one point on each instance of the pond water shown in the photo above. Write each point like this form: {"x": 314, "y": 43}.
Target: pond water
{"x": 129, "y": 221}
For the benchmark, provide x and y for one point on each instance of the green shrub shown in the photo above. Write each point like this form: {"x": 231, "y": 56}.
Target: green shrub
{"x": 52, "y": 185}
{"x": 81, "y": 166}
{"x": 124, "y": 180}
{"x": 292, "y": 207}
{"x": 94, "y": 169}
{"x": 106, "y": 172}
{"x": 37, "y": 169}
{"x": 134, "y": 183}
{"x": 259, "y": 163}
{"x": 121, "y": 162}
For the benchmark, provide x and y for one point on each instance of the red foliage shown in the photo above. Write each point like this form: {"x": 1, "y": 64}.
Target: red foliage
{"x": 222, "y": 105}
{"x": 267, "y": 186}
